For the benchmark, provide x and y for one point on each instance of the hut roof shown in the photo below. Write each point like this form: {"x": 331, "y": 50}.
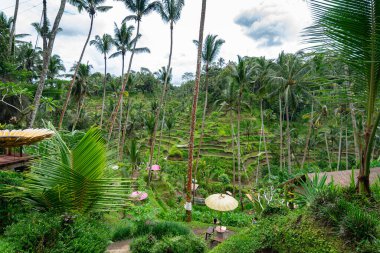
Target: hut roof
{"x": 17, "y": 138}
{"x": 343, "y": 177}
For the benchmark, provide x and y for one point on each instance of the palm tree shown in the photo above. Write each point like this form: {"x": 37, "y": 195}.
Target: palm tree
{"x": 140, "y": 8}
{"x": 48, "y": 44}
{"x": 211, "y": 49}
{"x": 193, "y": 114}
{"x": 133, "y": 152}
{"x": 13, "y": 29}
{"x": 73, "y": 180}
{"x": 170, "y": 122}
{"x": 103, "y": 45}
{"x": 91, "y": 7}
{"x": 81, "y": 88}
{"x": 241, "y": 75}
{"x": 170, "y": 11}
{"x": 349, "y": 28}
{"x": 124, "y": 42}
{"x": 293, "y": 81}
{"x": 55, "y": 67}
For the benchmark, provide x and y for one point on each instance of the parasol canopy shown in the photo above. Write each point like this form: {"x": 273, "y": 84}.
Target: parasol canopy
{"x": 155, "y": 167}
{"x": 17, "y": 138}
{"x": 139, "y": 195}
{"x": 221, "y": 202}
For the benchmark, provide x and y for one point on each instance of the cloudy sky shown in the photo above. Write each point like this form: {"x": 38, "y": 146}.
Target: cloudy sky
{"x": 249, "y": 27}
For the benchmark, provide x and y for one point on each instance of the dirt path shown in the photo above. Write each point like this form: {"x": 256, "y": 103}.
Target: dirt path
{"x": 119, "y": 247}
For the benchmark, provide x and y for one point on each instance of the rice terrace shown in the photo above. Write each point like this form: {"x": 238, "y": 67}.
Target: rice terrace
{"x": 189, "y": 126}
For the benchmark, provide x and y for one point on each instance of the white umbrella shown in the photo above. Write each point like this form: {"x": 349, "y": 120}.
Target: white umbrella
{"x": 221, "y": 202}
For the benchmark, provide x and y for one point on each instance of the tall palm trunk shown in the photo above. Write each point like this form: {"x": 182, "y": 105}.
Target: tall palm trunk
{"x": 104, "y": 90}
{"x": 13, "y": 30}
{"x": 158, "y": 111}
{"x": 346, "y": 149}
{"x": 264, "y": 138}
{"x": 47, "y": 51}
{"x": 120, "y": 145}
{"x": 75, "y": 74}
{"x": 79, "y": 109}
{"x": 119, "y": 101}
{"x": 238, "y": 146}
{"x": 121, "y": 150}
{"x": 281, "y": 134}
{"x": 340, "y": 144}
{"x": 288, "y": 138}
{"x": 202, "y": 129}
{"x": 233, "y": 154}
{"x": 161, "y": 132}
{"x": 193, "y": 114}
{"x": 306, "y": 149}
{"x": 328, "y": 151}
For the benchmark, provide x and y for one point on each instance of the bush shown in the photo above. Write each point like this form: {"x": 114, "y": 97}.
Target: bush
{"x": 224, "y": 179}
{"x": 49, "y": 232}
{"x": 175, "y": 153}
{"x": 180, "y": 244}
{"x": 123, "y": 232}
{"x": 143, "y": 244}
{"x": 295, "y": 232}
{"x": 6, "y": 247}
{"x": 9, "y": 207}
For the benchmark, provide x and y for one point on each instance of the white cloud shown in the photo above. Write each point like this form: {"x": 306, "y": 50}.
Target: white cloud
{"x": 284, "y": 18}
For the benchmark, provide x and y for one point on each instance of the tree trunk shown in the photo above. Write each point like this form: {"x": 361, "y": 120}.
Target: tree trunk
{"x": 305, "y": 151}
{"x": 238, "y": 146}
{"x": 157, "y": 118}
{"x": 75, "y": 74}
{"x": 328, "y": 151}
{"x": 233, "y": 154}
{"x": 46, "y": 59}
{"x": 366, "y": 153}
{"x": 288, "y": 137}
{"x": 116, "y": 110}
{"x": 281, "y": 134}
{"x": 202, "y": 129}
{"x": 121, "y": 150}
{"x": 161, "y": 131}
{"x": 13, "y": 30}
{"x": 340, "y": 144}
{"x": 264, "y": 139}
{"x": 355, "y": 131}
{"x": 119, "y": 145}
{"x": 346, "y": 149}
{"x": 104, "y": 90}
{"x": 79, "y": 109}
{"x": 193, "y": 114}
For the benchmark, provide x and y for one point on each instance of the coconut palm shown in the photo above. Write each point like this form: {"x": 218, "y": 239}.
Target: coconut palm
{"x": 241, "y": 74}
{"x": 170, "y": 11}
{"x": 139, "y": 8}
{"x": 103, "y": 45}
{"x": 211, "y": 49}
{"x": 13, "y": 29}
{"x": 47, "y": 49}
{"x": 80, "y": 89}
{"x": 350, "y": 28}
{"x": 292, "y": 80}
{"x": 124, "y": 42}
{"x": 55, "y": 67}
{"x": 91, "y": 7}
{"x": 193, "y": 114}
{"x": 72, "y": 180}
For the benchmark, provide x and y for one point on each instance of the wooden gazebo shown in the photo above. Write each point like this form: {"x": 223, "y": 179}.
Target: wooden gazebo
{"x": 11, "y": 140}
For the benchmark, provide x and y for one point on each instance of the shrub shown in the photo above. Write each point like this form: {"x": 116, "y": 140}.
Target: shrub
{"x": 35, "y": 232}
{"x": 49, "y": 232}
{"x": 143, "y": 244}
{"x": 180, "y": 244}
{"x": 175, "y": 153}
{"x": 6, "y": 247}
{"x": 123, "y": 232}
{"x": 359, "y": 225}
{"x": 224, "y": 178}
{"x": 9, "y": 207}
